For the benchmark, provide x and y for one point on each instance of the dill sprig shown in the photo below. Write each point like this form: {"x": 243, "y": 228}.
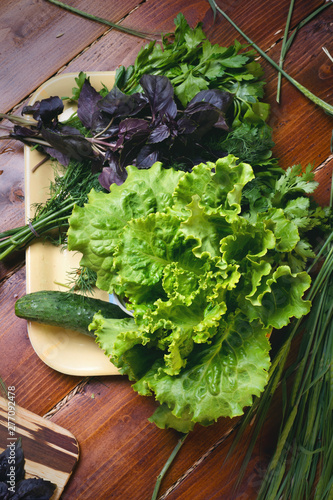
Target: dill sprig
{"x": 69, "y": 187}
{"x": 82, "y": 280}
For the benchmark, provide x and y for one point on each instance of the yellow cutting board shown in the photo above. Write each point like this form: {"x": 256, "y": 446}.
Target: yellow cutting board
{"x": 50, "y": 451}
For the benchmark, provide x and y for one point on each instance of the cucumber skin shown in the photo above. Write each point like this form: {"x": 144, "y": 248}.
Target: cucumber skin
{"x": 65, "y": 309}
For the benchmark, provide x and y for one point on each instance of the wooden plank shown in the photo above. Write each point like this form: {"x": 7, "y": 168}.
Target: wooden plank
{"x": 50, "y": 452}
{"x": 11, "y": 184}
{"x": 121, "y": 452}
{"x": 38, "y": 38}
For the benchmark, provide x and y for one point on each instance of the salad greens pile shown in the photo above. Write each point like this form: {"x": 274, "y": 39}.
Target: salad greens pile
{"x": 182, "y": 102}
{"x": 207, "y": 273}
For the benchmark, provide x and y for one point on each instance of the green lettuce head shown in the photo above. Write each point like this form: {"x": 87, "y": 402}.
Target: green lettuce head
{"x": 206, "y": 285}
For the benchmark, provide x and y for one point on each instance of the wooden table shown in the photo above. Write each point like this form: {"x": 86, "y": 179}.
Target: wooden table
{"x": 121, "y": 453}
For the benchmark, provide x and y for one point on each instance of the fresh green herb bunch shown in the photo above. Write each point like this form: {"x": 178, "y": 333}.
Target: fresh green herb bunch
{"x": 193, "y": 64}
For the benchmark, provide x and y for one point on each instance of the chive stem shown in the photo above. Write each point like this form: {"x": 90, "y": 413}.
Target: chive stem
{"x": 167, "y": 465}
{"x": 119, "y": 27}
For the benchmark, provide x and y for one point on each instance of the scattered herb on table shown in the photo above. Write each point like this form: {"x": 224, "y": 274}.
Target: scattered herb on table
{"x": 325, "y": 106}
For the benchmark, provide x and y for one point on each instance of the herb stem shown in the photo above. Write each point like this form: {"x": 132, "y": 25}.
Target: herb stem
{"x": 167, "y": 465}
{"x": 128, "y": 31}
{"x": 20, "y": 238}
{"x": 283, "y": 49}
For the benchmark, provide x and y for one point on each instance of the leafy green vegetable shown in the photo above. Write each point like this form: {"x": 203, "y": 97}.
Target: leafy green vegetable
{"x": 193, "y": 64}
{"x": 206, "y": 278}
{"x": 112, "y": 142}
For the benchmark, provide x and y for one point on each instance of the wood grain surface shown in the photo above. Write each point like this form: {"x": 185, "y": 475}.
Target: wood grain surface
{"x": 121, "y": 453}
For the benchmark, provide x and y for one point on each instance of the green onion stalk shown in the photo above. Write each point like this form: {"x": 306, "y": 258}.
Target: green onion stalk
{"x": 302, "y": 463}
{"x": 304, "y": 449}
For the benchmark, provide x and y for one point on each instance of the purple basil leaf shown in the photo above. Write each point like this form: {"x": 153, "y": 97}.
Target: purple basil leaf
{"x": 5, "y": 494}
{"x": 34, "y": 489}
{"x": 221, "y": 123}
{"x": 108, "y": 177}
{"x": 159, "y": 92}
{"x": 113, "y": 173}
{"x": 206, "y": 115}
{"x": 57, "y": 155}
{"x": 100, "y": 124}
{"x": 132, "y": 146}
{"x": 97, "y": 164}
{"x": 71, "y": 144}
{"x": 20, "y": 132}
{"x": 159, "y": 134}
{"x": 118, "y": 104}
{"x": 186, "y": 125}
{"x": 218, "y": 98}
{"x": 147, "y": 157}
{"x": 45, "y": 110}
{"x": 132, "y": 127}
{"x": 87, "y": 105}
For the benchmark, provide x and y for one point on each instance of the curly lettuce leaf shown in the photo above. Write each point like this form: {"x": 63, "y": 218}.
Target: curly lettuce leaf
{"x": 278, "y": 298}
{"x": 206, "y": 284}
{"x": 147, "y": 246}
{"x": 247, "y": 243}
{"x": 285, "y": 230}
{"x": 219, "y": 186}
{"x": 96, "y": 229}
{"x": 164, "y": 419}
{"x": 219, "y": 379}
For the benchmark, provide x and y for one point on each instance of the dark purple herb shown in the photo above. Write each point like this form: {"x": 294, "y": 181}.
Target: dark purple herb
{"x": 120, "y": 105}
{"x": 87, "y": 110}
{"x": 69, "y": 141}
{"x": 34, "y": 489}
{"x": 46, "y": 111}
{"x": 161, "y": 131}
{"x": 123, "y": 129}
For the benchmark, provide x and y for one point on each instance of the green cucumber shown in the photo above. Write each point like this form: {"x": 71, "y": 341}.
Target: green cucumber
{"x": 65, "y": 309}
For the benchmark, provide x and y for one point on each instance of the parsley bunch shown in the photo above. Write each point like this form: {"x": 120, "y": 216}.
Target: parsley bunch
{"x": 193, "y": 64}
